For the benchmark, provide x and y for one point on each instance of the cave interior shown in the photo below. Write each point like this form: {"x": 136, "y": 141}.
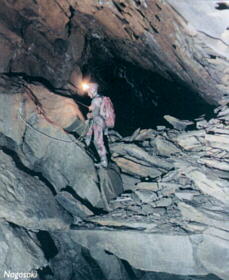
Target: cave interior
{"x": 165, "y": 190}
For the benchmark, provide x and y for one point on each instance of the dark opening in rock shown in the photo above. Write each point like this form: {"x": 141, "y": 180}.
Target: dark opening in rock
{"x": 47, "y": 244}
{"x": 222, "y": 6}
{"x": 45, "y": 273}
{"x": 141, "y": 97}
{"x": 98, "y": 274}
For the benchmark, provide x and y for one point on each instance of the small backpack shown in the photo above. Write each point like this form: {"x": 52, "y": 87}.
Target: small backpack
{"x": 107, "y": 112}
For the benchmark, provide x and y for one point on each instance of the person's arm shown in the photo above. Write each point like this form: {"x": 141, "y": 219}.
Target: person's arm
{"x": 89, "y": 114}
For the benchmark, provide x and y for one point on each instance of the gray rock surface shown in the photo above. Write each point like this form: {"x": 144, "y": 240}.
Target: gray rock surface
{"x": 160, "y": 207}
{"x": 43, "y": 146}
{"x": 74, "y": 260}
{"x": 174, "y": 38}
{"x": 179, "y": 37}
{"x": 184, "y": 210}
{"x": 28, "y": 202}
{"x": 20, "y": 250}
{"x": 176, "y": 123}
{"x": 146, "y": 251}
{"x": 200, "y": 17}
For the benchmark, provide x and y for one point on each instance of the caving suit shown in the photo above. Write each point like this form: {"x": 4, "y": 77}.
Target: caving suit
{"x": 97, "y": 129}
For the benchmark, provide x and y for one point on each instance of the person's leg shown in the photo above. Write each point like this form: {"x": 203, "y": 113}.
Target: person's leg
{"x": 106, "y": 132}
{"x": 88, "y": 135}
{"x": 99, "y": 145}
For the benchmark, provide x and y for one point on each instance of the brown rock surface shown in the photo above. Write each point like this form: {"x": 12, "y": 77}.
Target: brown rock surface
{"x": 47, "y": 38}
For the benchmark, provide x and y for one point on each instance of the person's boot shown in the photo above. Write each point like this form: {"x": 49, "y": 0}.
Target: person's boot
{"x": 106, "y": 132}
{"x": 104, "y": 162}
{"x": 87, "y": 141}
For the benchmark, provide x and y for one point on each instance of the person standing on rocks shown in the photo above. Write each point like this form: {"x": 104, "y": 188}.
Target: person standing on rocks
{"x": 101, "y": 117}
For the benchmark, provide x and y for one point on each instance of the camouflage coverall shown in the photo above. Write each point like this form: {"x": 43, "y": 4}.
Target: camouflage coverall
{"x": 97, "y": 129}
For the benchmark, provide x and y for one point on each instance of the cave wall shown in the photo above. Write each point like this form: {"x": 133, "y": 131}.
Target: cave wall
{"x": 166, "y": 38}
{"x": 49, "y": 39}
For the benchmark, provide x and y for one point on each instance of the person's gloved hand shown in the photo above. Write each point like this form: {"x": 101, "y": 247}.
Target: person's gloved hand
{"x": 89, "y": 115}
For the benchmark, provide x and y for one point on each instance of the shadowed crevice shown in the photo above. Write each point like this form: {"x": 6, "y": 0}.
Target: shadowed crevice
{"x": 47, "y": 244}
{"x": 96, "y": 211}
{"x": 25, "y": 169}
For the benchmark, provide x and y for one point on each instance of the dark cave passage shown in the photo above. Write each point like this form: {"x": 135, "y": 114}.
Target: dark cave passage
{"x": 141, "y": 97}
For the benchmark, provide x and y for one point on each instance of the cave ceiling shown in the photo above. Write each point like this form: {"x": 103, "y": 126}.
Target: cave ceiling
{"x": 181, "y": 41}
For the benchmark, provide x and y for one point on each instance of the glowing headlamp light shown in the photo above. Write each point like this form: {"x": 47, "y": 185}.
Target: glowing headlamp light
{"x": 85, "y": 86}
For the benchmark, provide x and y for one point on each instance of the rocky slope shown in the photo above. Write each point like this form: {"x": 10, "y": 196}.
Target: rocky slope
{"x": 174, "y": 216}
{"x": 161, "y": 206}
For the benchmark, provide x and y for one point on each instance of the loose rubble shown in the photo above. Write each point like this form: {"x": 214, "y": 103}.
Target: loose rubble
{"x": 176, "y": 184}
{"x": 163, "y": 201}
